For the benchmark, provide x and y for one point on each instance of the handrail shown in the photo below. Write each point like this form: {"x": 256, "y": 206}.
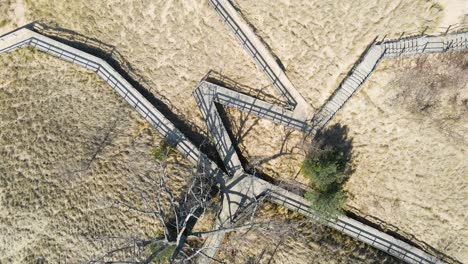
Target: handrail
{"x": 252, "y": 50}
{"x": 398, "y": 249}
{"x": 366, "y": 65}
{"x": 205, "y": 100}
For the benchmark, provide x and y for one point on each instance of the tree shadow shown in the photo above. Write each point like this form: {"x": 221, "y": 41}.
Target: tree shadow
{"x": 336, "y": 137}
{"x": 335, "y": 140}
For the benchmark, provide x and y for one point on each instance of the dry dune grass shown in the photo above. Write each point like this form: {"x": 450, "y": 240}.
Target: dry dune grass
{"x": 70, "y": 148}
{"x": 317, "y": 41}
{"x": 56, "y": 205}
{"x": 172, "y": 44}
{"x": 4, "y": 8}
{"x": 409, "y": 130}
{"x": 320, "y": 64}
{"x": 291, "y": 239}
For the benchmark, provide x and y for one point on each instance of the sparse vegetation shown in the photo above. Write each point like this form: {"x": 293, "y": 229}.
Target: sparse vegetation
{"x": 66, "y": 16}
{"x": 62, "y": 126}
{"x": 326, "y": 165}
{"x": 4, "y": 7}
{"x": 165, "y": 255}
{"x": 441, "y": 99}
{"x": 163, "y": 151}
{"x": 411, "y": 144}
{"x": 3, "y": 22}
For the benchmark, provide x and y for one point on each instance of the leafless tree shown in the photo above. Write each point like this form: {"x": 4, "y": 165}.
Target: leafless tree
{"x": 176, "y": 211}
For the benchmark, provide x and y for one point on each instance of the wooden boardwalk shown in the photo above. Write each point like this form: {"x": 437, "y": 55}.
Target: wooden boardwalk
{"x": 388, "y": 49}
{"x": 238, "y": 187}
{"x": 262, "y": 57}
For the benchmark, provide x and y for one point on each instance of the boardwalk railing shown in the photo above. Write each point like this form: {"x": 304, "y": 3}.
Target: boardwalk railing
{"x": 348, "y": 87}
{"x": 356, "y": 230}
{"x": 208, "y": 94}
{"x": 252, "y": 50}
{"x": 409, "y": 46}
{"x": 118, "y": 83}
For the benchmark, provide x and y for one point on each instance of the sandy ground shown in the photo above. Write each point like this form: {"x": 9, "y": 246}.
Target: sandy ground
{"x": 291, "y": 239}
{"x": 173, "y": 44}
{"x": 316, "y": 69}
{"x": 56, "y": 201}
{"x": 409, "y": 126}
{"x": 56, "y": 204}
{"x": 318, "y": 42}
{"x": 456, "y": 12}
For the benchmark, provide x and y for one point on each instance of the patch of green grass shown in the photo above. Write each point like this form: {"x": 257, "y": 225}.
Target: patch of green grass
{"x": 163, "y": 151}
{"x": 165, "y": 255}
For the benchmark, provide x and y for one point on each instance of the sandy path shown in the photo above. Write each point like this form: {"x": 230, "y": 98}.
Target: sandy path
{"x": 19, "y": 16}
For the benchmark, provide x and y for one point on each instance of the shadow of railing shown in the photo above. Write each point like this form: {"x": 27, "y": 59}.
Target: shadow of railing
{"x": 224, "y": 81}
{"x": 354, "y": 231}
{"x": 396, "y": 232}
{"x": 456, "y": 28}
{"x": 254, "y": 53}
{"x": 114, "y": 58}
{"x": 300, "y": 189}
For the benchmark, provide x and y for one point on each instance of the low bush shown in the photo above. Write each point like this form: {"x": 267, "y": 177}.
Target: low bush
{"x": 327, "y": 204}
{"x": 324, "y": 171}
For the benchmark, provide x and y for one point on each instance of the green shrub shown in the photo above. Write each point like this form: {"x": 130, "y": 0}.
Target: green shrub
{"x": 326, "y": 166}
{"x": 327, "y": 204}
{"x": 323, "y": 172}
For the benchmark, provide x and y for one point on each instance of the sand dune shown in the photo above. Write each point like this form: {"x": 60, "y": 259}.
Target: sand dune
{"x": 56, "y": 201}
{"x": 456, "y": 12}
{"x": 173, "y": 44}
{"x": 409, "y": 130}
